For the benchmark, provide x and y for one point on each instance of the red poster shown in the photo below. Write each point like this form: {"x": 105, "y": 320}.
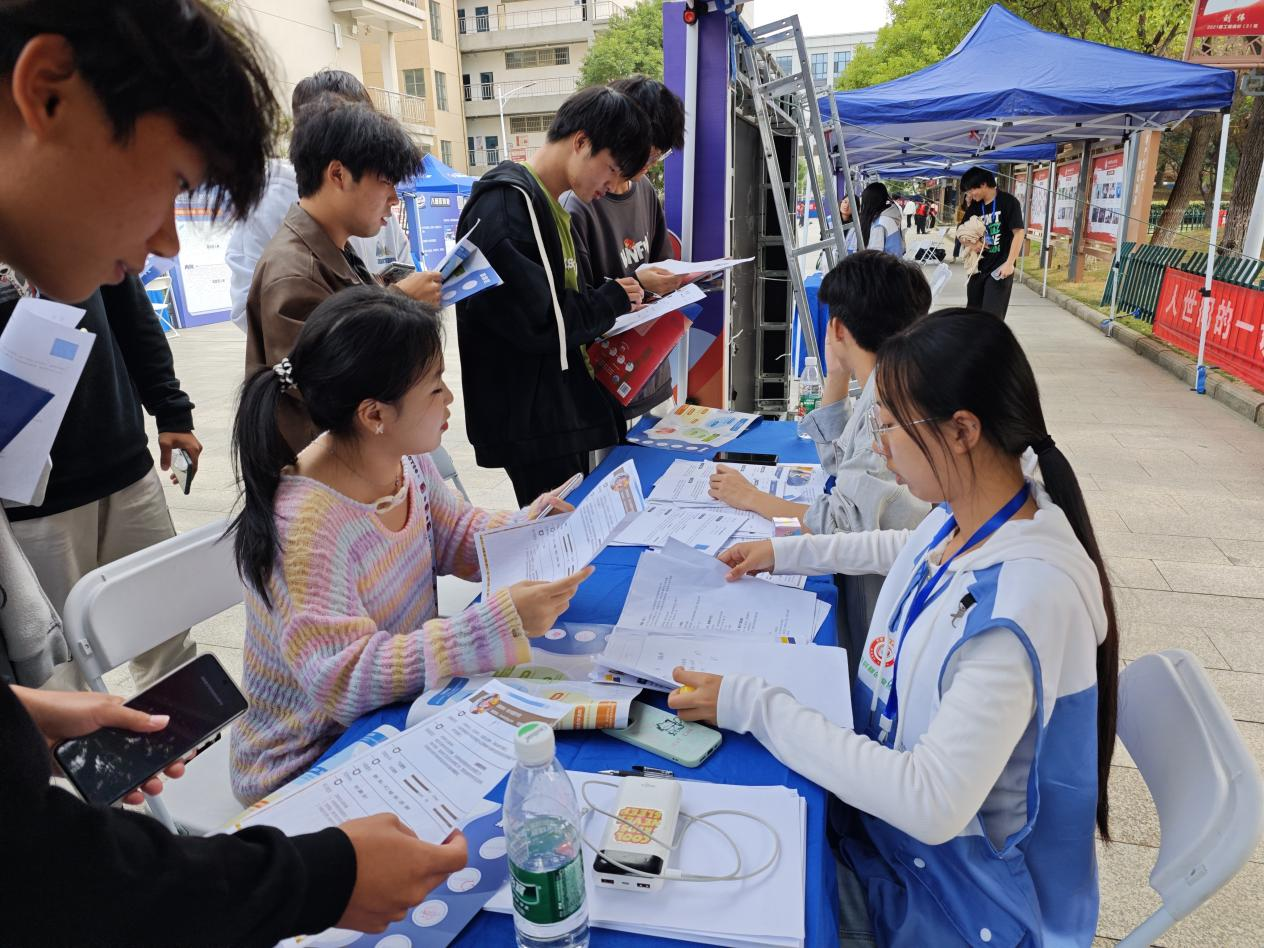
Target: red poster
{"x": 1039, "y": 199}
{"x": 1229, "y": 17}
{"x": 1106, "y": 198}
{"x": 1235, "y": 328}
{"x": 1064, "y": 201}
{"x": 624, "y": 363}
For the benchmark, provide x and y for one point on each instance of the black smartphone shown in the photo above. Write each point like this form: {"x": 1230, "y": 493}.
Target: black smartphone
{"x": 395, "y": 272}
{"x": 741, "y": 457}
{"x": 183, "y": 467}
{"x": 201, "y": 700}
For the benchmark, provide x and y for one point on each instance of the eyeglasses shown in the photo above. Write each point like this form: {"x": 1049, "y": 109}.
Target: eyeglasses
{"x": 877, "y": 429}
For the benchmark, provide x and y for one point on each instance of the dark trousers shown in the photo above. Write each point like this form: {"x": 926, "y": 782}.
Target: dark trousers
{"x": 991, "y": 296}
{"x": 535, "y": 478}
{"x": 920, "y": 221}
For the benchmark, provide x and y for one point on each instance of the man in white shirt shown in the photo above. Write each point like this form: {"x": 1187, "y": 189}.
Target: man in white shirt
{"x": 251, "y": 235}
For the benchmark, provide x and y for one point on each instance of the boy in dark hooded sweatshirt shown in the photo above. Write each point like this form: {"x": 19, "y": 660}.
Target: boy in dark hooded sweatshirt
{"x": 531, "y": 403}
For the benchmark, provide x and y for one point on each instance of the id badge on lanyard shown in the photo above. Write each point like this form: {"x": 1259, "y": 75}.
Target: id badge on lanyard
{"x": 922, "y": 591}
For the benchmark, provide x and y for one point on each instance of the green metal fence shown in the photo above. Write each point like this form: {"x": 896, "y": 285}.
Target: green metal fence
{"x": 1141, "y": 276}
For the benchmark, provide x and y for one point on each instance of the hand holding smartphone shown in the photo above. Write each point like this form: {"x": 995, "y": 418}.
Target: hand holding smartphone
{"x": 183, "y": 467}
{"x": 199, "y": 698}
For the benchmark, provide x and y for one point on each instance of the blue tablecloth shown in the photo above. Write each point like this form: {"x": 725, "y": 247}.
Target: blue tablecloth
{"x": 740, "y": 760}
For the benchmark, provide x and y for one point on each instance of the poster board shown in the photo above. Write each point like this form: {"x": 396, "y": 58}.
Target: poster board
{"x": 1020, "y": 191}
{"x": 1039, "y": 199}
{"x": 1106, "y": 198}
{"x": 200, "y": 279}
{"x": 1064, "y": 204}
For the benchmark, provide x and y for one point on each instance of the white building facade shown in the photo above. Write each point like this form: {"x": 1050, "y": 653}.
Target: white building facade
{"x": 828, "y": 55}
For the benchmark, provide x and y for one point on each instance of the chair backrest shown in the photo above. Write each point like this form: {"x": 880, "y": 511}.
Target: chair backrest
{"x": 124, "y": 608}
{"x": 1205, "y": 784}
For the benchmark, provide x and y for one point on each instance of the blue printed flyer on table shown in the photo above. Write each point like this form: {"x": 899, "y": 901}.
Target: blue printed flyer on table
{"x": 435, "y": 777}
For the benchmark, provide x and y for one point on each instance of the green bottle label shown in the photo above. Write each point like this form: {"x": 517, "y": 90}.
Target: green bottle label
{"x": 547, "y": 898}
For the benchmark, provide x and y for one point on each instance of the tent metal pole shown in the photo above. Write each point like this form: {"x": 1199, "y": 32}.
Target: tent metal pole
{"x": 1022, "y": 257}
{"x": 1200, "y": 377}
{"x": 1130, "y": 172}
{"x": 1050, "y": 182}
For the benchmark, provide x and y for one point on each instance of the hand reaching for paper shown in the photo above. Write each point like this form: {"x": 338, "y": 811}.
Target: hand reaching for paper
{"x": 744, "y": 558}
{"x": 698, "y": 696}
{"x": 730, "y": 486}
{"x": 539, "y": 604}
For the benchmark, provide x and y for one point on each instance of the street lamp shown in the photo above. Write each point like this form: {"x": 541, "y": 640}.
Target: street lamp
{"x": 501, "y": 99}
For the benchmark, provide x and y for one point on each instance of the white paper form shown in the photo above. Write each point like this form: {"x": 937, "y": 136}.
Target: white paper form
{"x": 715, "y": 913}
{"x": 815, "y": 674}
{"x": 800, "y": 483}
{"x": 704, "y": 528}
{"x": 432, "y": 776}
{"x": 686, "y": 267}
{"x": 689, "y": 482}
{"x": 668, "y": 304}
{"x": 41, "y": 346}
{"x": 558, "y": 546}
{"x": 680, "y": 589}
{"x": 592, "y": 704}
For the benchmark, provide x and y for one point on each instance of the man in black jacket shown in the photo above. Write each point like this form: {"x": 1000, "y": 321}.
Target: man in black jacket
{"x": 104, "y": 499}
{"x": 531, "y": 403}
{"x": 115, "y": 107}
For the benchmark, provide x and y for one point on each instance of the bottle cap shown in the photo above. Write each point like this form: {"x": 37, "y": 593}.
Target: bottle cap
{"x": 810, "y": 360}
{"x": 534, "y": 744}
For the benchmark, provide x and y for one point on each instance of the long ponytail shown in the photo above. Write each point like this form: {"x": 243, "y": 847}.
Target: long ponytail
{"x": 962, "y": 359}
{"x": 259, "y": 454}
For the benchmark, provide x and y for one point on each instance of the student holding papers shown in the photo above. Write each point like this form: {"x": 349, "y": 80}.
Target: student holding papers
{"x": 532, "y": 406}
{"x": 625, "y": 229}
{"x": 985, "y": 704}
{"x": 871, "y": 296}
{"x": 340, "y": 546}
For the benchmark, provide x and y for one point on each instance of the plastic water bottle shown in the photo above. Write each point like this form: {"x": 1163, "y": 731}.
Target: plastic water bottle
{"x": 546, "y": 865}
{"x": 811, "y": 386}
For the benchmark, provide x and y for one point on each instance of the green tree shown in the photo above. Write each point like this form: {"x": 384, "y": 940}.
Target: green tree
{"x": 632, "y": 44}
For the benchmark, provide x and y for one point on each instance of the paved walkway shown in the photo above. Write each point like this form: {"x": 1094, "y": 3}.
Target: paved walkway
{"x": 1175, "y": 484}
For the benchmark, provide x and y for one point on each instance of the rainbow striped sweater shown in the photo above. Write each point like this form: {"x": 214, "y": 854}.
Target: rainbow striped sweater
{"x": 353, "y": 625}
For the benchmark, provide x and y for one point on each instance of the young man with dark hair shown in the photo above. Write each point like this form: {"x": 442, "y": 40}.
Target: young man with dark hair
{"x": 871, "y": 296}
{"x": 1002, "y": 215}
{"x": 251, "y": 236}
{"x": 347, "y": 161}
{"x": 627, "y": 227}
{"x": 117, "y": 107}
{"x": 531, "y": 403}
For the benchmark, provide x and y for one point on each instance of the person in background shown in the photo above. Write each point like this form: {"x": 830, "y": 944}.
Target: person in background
{"x": 104, "y": 500}
{"x": 919, "y": 215}
{"x": 989, "y": 289}
{"x": 627, "y": 229}
{"x": 347, "y": 160}
{"x": 880, "y": 225}
{"x": 340, "y": 546}
{"x": 120, "y": 107}
{"x": 872, "y": 296}
{"x": 532, "y": 405}
{"x": 968, "y": 790}
{"x": 251, "y": 236}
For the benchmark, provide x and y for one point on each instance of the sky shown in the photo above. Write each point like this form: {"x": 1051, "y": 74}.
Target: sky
{"x": 823, "y": 16}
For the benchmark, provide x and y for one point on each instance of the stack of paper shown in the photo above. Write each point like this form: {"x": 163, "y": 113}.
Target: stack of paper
{"x": 708, "y": 528}
{"x": 648, "y": 313}
{"x": 689, "y": 482}
{"x": 557, "y": 546}
{"x": 765, "y": 910}
{"x": 593, "y": 704}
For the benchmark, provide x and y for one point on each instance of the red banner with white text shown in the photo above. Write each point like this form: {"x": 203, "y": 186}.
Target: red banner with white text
{"x": 1235, "y": 331}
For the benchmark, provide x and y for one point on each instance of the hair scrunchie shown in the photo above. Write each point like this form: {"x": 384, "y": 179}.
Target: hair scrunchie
{"x": 1043, "y": 445}
{"x": 285, "y": 373}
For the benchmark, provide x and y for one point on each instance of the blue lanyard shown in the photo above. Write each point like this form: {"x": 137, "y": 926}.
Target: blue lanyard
{"x": 921, "y": 593}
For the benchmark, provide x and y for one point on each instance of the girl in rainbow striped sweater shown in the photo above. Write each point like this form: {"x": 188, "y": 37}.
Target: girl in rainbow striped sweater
{"x": 340, "y": 546}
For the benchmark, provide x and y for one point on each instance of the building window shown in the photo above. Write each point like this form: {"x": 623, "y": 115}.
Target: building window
{"x": 441, "y": 91}
{"x": 841, "y": 61}
{"x": 545, "y": 56}
{"x": 493, "y": 149}
{"x": 820, "y": 67}
{"x": 481, "y": 23}
{"x": 436, "y": 22}
{"x": 487, "y": 85}
{"x": 460, "y": 19}
{"x": 525, "y": 124}
{"x": 445, "y": 152}
{"x": 465, "y": 84}
{"x": 785, "y": 64}
{"x": 415, "y": 82}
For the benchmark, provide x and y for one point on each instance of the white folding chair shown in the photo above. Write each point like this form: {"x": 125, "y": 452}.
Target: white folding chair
{"x": 120, "y": 610}
{"x": 1205, "y": 784}
{"x": 455, "y": 593}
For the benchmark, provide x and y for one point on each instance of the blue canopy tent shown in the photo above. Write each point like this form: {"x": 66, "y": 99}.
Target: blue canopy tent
{"x": 1008, "y": 84}
{"x": 433, "y": 201}
{"x": 918, "y": 168}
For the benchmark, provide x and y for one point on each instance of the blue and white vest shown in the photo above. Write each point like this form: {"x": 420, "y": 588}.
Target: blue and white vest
{"x": 1040, "y": 887}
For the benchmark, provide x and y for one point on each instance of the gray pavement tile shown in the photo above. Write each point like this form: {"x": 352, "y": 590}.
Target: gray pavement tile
{"x": 1215, "y": 580}
{"x": 1182, "y": 524}
{"x": 1190, "y": 609}
{"x": 1243, "y": 552}
{"x": 1243, "y": 650}
{"x": 1156, "y": 547}
{"x": 1137, "y": 638}
{"x": 228, "y": 629}
{"x": 1242, "y": 693}
{"x": 1134, "y": 573}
